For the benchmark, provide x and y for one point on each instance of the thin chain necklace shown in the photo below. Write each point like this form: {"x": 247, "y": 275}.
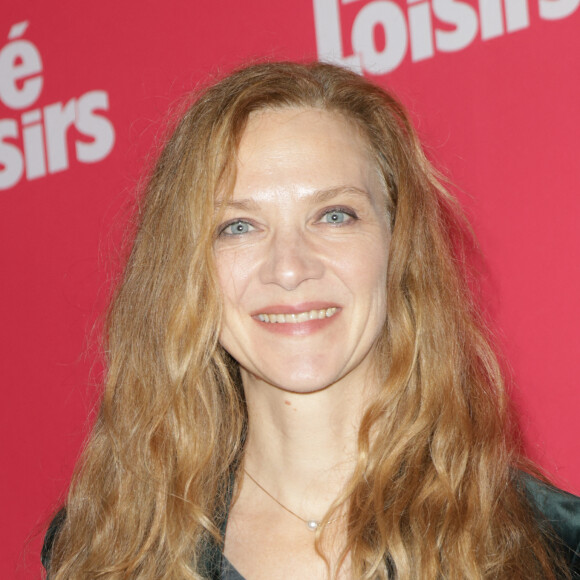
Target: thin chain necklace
{"x": 312, "y": 525}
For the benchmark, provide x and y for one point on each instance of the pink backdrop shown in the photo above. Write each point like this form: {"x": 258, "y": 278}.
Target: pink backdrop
{"x": 84, "y": 87}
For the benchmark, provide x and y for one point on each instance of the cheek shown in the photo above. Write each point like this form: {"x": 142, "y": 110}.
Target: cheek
{"x": 374, "y": 271}
{"x": 229, "y": 297}
{"x": 368, "y": 269}
{"x": 372, "y": 276}
{"x": 233, "y": 276}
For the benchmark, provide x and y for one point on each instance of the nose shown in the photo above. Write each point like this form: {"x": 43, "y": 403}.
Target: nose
{"x": 290, "y": 261}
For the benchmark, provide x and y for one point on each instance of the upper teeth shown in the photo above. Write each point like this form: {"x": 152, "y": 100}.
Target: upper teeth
{"x": 301, "y": 317}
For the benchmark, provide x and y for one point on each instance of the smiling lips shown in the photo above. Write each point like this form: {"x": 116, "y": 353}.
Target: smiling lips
{"x": 297, "y": 320}
{"x": 298, "y": 317}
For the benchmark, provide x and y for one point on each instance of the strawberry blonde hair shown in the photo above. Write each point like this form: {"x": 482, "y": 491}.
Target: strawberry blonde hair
{"x": 435, "y": 493}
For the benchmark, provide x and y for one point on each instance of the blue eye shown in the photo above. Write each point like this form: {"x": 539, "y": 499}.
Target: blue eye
{"x": 337, "y": 216}
{"x": 237, "y": 228}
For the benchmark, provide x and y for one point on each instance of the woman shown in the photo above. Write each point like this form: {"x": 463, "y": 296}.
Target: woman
{"x": 299, "y": 384}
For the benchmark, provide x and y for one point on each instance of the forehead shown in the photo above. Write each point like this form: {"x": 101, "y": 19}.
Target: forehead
{"x": 303, "y": 149}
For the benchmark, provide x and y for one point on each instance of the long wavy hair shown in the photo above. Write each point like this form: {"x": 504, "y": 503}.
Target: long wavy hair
{"x": 435, "y": 492}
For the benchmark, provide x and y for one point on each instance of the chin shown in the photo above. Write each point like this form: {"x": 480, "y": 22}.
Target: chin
{"x": 305, "y": 381}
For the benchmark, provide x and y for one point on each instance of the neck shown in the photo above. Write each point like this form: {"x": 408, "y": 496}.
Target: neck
{"x": 302, "y": 447}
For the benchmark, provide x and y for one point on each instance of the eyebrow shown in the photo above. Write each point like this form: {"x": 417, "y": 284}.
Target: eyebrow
{"x": 318, "y": 196}
{"x": 322, "y": 195}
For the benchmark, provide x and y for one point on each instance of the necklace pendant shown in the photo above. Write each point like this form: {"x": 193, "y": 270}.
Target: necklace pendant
{"x": 312, "y": 525}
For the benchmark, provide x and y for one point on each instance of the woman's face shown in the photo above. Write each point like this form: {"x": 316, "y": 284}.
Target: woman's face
{"x": 302, "y": 252}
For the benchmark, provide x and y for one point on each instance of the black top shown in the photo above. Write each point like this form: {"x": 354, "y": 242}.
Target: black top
{"x": 553, "y": 506}
{"x": 228, "y": 571}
